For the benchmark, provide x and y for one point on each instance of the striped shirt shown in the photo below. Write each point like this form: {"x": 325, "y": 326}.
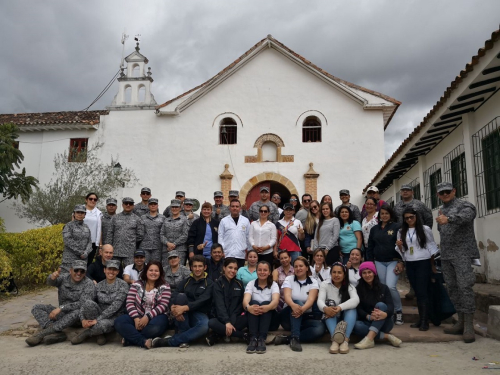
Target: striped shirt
{"x": 135, "y": 301}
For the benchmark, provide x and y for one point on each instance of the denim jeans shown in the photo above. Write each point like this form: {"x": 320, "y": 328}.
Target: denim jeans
{"x": 294, "y": 255}
{"x": 125, "y": 326}
{"x": 385, "y": 271}
{"x": 362, "y": 327}
{"x": 349, "y": 316}
{"x": 419, "y": 274}
{"x": 194, "y": 326}
{"x": 220, "y": 328}
{"x": 303, "y": 327}
{"x": 258, "y": 325}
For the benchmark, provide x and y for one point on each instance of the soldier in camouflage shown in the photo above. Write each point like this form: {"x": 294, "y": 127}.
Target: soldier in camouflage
{"x": 73, "y": 290}
{"x": 98, "y": 317}
{"x": 458, "y": 250}
{"x": 142, "y": 208}
{"x": 125, "y": 233}
{"x": 179, "y": 195}
{"x": 174, "y": 233}
{"x": 219, "y": 210}
{"x": 253, "y": 212}
{"x": 153, "y": 221}
{"x": 77, "y": 239}
{"x": 107, "y": 216}
{"x": 407, "y": 200}
{"x": 188, "y": 211}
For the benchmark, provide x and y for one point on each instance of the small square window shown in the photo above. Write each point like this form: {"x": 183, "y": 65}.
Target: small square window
{"x": 78, "y": 150}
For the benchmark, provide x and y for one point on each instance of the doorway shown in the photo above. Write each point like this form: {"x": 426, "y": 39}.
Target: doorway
{"x": 274, "y": 187}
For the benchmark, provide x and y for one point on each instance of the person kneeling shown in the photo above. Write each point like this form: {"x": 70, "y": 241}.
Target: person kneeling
{"x": 98, "y": 317}
{"x": 229, "y": 320}
{"x": 191, "y": 307}
{"x": 260, "y": 301}
{"x": 338, "y": 299}
{"x": 374, "y": 310}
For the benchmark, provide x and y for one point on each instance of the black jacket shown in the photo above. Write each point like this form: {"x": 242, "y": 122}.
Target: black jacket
{"x": 227, "y": 300}
{"x": 214, "y": 271}
{"x": 198, "y": 293}
{"x": 197, "y": 231}
{"x": 368, "y": 301}
{"x": 95, "y": 271}
{"x": 382, "y": 243}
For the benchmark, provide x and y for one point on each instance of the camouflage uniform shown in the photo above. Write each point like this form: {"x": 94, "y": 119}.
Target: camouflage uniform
{"x": 173, "y": 279}
{"x": 253, "y": 212}
{"x": 151, "y": 243}
{"x": 77, "y": 242}
{"x": 424, "y": 211}
{"x": 355, "y": 211}
{"x": 224, "y": 211}
{"x": 105, "y": 223}
{"x": 175, "y": 231}
{"x": 141, "y": 209}
{"x": 125, "y": 233}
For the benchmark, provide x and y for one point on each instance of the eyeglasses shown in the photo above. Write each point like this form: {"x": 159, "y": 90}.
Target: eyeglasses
{"x": 92, "y": 199}
{"x": 128, "y": 203}
{"x": 411, "y": 217}
{"x": 306, "y": 200}
{"x": 263, "y": 211}
{"x": 314, "y": 207}
{"x": 276, "y": 197}
{"x": 447, "y": 192}
{"x": 145, "y": 193}
{"x": 188, "y": 204}
{"x": 293, "y": 200}
{"x": 79, "y": 271}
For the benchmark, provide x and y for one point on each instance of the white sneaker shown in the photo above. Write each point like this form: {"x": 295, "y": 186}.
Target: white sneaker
{"x": 366, "y": 343}
{"x": 393, "y": 340}
{"x": 334, "y": 348}
{"x": 399, "y": 318}
{"x": 344, "y": 348}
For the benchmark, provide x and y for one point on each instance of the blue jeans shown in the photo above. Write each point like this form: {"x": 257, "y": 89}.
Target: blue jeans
{"x": 349, "y": 316}
{"x": 294, "y": 255}
{"x": 362, "y": 327}
{"x": 125, "y": 326}
{"x": 194, "y": 326}
{"x": 385, "y": 271}
{"x": 304, "y": 328}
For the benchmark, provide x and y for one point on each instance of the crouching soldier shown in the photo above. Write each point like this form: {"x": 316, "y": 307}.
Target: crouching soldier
{"x": 99, "y": 317}
{"x": 74, "y": 290}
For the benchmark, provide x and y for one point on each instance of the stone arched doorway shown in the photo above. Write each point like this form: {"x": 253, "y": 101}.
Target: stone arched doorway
{"x": 250, "y": 191}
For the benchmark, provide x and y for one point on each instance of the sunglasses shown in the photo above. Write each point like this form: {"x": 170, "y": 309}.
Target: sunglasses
{"x": 276, "y": 197}
{"x": 153, "y": 204}
{"x": 263, "y": 211}
{"x": 293, "y": 200}
{"x": 79, "y": 271}
{"x": 314, "y": 207}
{"x": 179, "y": 196}
{"x": 447, "y": 192}
{"x": 173, "y": 257}
{"x": 92, "y": 199}
{"x": 306, "y": 200}
{"x": 128, "y": 203}
{"x": 145, "y": 193}
{"x": 411, "y": 217}
{"x": 188, "y": 204}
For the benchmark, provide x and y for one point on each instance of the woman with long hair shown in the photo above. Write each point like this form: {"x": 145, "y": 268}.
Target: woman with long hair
{"x": 338, "y": 300}
{"x": 327, "y": 232}
{"x": 260, "y": 301}
{"x": 350, "y": 235}
{"x": 227, "y": 298}
{"x": 280, "y": 274}
{"x": 416, "y": 243}
{"x": 382, "y": 250}
{"x": 320, "y": 271}
{"x": 370, "y": 220}
{"x": 295, "y": 201}
{"x": 93, "y": 217}
{"x": 312, "y": 221}
{"x": 147, "y": 304}
{"x": 249, "y": 272}
{"x": 290, "y": 231}
{"x": 262, "y": 236}
{"x": 355, "y": 260}
{"x": 326, "y": 199}
{"x": 375, "y": 309}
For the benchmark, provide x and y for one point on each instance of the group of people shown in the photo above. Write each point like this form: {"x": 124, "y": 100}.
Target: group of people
{"x": 307, "y": 267}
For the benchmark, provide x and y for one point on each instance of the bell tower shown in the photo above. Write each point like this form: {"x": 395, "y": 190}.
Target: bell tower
{"x": 134, "y": 91}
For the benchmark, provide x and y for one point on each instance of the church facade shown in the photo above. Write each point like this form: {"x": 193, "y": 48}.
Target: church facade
{"x": 270, "y": 118}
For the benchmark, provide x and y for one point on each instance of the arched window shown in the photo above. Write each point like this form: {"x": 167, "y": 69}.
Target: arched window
{"x": 227, "y": 131}
{"x": 135, "y": 70}
{"x": 142, "y": 94}
{"x": 269, "y": 151}
{"x": 128, "y": 94}
{"x": 311, "y": 129}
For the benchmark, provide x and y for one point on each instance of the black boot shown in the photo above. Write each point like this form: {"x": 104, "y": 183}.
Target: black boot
{"x": 419, "y": 322}
{"x": 424, "y": 317}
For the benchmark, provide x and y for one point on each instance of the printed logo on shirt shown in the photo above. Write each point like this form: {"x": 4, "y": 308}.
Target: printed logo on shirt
{"x": 202, "y": 287}
{"x": 237, "y": 289}
{"x": 390, "y": 232}
{"x": 215, "y": 229}
{"x": 348, "y": 228}
{"x": 243, "y": 227}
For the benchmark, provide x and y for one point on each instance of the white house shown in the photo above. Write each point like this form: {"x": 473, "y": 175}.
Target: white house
{"x": 269, "y": 118}
{"x": 458, "y": 141}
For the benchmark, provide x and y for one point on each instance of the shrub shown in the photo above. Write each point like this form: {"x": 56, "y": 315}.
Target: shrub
{"x": 33, "y": 254}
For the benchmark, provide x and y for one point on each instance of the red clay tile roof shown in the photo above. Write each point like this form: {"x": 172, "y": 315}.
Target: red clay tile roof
{"x": 48, "y": 118}
{"x": 495, "y": 36}
{"x": 304, "y": 60}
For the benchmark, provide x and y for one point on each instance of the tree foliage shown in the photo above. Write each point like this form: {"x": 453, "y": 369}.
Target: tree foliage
{"x": 13, "y": 184}
{"x": 70, "y": 183}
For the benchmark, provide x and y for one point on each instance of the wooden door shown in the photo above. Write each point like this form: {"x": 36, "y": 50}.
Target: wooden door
{"x": 254, "y": 194}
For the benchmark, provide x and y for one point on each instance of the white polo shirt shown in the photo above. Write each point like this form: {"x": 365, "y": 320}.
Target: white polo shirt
{"x": 300, "y": 289}
{"x": 261, "y": 295}
{"x": 132, "y": 272}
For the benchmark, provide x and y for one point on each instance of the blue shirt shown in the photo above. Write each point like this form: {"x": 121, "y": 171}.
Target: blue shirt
{"x": 245, "y": 276}
{"x": 348, "y": 240}
{"x": 208, "y": 239}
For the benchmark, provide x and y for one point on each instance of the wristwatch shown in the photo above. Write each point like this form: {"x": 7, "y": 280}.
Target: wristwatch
{"x": 61, "y": 307}
{"x": 450, "y": 219}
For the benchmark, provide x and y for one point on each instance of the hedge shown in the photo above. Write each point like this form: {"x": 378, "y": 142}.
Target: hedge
{"x": 31, "y": 255}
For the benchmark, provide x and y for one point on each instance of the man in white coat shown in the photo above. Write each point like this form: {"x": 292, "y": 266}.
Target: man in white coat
{"x": 233, "y": 234}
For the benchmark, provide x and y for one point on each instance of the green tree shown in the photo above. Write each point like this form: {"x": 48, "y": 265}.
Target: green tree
{"x": 13, "y": 184}
{"x": 70, "y": 183}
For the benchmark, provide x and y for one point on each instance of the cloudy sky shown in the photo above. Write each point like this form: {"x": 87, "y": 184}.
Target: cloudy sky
{"x": 57, "y": 55}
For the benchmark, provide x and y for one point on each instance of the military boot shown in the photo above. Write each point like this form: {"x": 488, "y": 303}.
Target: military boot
{"x": 37, "y": 338}
{"x": 458, "y": 327}
{"x": 469, "y": 335}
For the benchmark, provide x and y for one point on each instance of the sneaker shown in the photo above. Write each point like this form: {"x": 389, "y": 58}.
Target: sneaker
{"x": 251, "y": 348}
{"x": 184, "y": 345}
{"x": 399, "y": 318}
{"x": 393, "y": 340}
{"x": 210, "y": 339}
{"x": 246, "y": 338}
{"x": 101, "y": 340}
{"x": 261, "y": 346}
{"x": 344, "y": 348}
{"x": 159, "y": 342}
{"x": 295, "y": 344}
{"x": 334, "y": 348}
{"x": 366, "y": 343}
{"x": 281, "y": 340}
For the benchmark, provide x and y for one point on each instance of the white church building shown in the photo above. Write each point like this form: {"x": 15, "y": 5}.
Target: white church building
{"x": 269, "y": 118}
